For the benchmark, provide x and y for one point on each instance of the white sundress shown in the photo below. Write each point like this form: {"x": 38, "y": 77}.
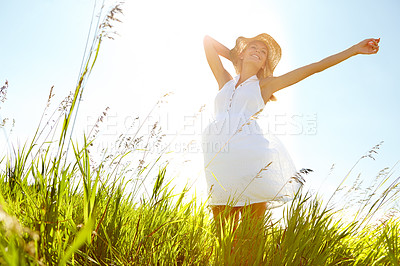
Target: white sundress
{"x": 236, "y": 150}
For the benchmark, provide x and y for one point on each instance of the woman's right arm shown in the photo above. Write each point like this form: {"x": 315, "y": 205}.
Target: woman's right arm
{"x": 213, "y": 50}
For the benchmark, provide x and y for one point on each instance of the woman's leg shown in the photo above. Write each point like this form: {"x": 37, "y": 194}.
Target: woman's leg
{"x": 253, "y": 229}
{"x": 258, "y": 210}
{"x": 253, "y": 215}
{"x": 218, "y": 211}
{"x": 256, "y": 215}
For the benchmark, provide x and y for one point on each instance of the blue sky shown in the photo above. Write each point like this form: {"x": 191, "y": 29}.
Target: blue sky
{"x": 351, "y": 107}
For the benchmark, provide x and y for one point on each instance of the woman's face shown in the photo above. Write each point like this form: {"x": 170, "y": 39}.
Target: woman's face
{"x": 256, "y": 52}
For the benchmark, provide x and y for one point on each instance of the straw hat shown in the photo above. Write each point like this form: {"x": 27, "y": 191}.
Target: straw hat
{"x": 273, "y": 57}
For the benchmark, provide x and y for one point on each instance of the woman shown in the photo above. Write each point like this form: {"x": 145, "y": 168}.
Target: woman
{"x": 242, "y": 166}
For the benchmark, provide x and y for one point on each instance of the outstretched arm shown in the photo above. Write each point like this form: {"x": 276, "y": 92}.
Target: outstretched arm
{"x": 213, "y": 50}
{"x": 273, "y": 84}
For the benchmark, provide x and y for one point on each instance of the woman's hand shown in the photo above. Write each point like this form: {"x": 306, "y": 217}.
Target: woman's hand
{"x": 368, "y": 46}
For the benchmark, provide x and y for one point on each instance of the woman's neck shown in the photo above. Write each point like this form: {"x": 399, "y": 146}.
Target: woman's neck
{"x": 246, "y": 73}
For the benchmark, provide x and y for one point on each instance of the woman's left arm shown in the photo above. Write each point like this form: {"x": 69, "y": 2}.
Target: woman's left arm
{"x": 273, "y": 84}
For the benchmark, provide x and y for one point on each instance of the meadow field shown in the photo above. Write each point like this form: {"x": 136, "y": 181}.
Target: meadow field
{"x": 60, "y": 206}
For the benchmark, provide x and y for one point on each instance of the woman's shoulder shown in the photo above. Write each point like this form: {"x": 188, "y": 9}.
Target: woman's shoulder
{"x": 265, "y": 82}
{"x": 228, "y": 81}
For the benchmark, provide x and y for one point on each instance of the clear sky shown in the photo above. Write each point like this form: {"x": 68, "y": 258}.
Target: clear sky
{"x": 333, "y": 117}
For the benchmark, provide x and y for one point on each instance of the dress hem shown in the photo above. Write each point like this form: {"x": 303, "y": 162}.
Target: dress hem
{"x": 242, "y": 204}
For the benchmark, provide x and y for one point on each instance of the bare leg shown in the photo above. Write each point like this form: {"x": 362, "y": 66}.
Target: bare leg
{"x": 254, "y": 221}
{"x": 258, "y": 210}
{"x": 218, "y": 211}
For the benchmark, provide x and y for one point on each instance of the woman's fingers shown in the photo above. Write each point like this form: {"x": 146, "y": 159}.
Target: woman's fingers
{"x": 374, "y": 44}
{"x": 375, "y": 41}
{"x": 369, "y": 46}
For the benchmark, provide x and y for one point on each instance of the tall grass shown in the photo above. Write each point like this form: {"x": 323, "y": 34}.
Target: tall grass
{"x": 57, "y": 210}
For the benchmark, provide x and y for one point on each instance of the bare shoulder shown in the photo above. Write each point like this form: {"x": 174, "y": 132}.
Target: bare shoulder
{"x": 266, "y": 91}
{"x": 267, "y": 84}
{"x": 226, "y": 77}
